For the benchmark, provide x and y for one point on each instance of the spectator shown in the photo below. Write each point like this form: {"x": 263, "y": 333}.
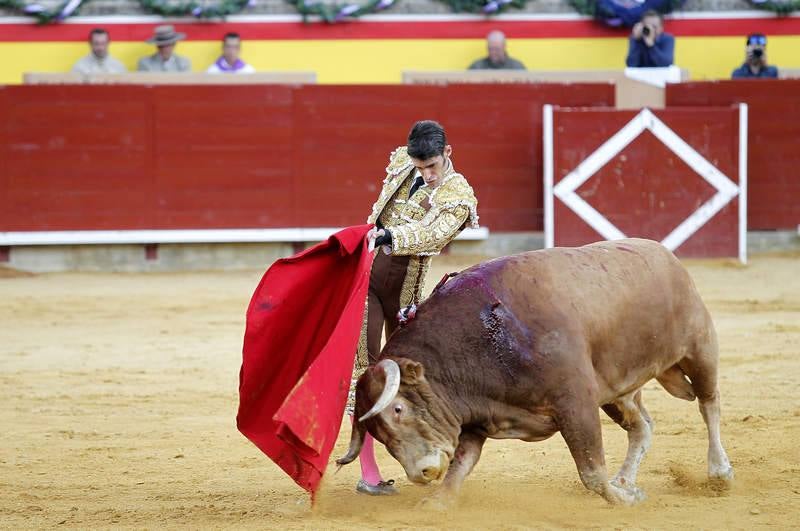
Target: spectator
{"x": 165, "y": 60}
{"x": 497, "y": 59}
{"x": 229, "y": 62}
{"x": 755, "y": 63}
{"x": 98, "y": 61}
{"x": 649, "y": 45}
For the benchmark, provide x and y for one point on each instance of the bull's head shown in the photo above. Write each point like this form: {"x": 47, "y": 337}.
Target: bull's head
{"x": 417, "y": 427}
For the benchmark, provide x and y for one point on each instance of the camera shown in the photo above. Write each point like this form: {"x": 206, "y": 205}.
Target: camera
{"x": 646, "y": 31}
{"x": 758, "y": 52}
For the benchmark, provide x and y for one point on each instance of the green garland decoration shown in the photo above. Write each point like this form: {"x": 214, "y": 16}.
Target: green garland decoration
{"x": 37, "y": 11}
{"x": 335, "y": 12}
{"x": 589, "y": 7}
{"x": 326, "y": 11}
{"x": 584, "y": 7}
{"x": 780, "y": 7}
{"x": 329, "y": 12}
{"x": 220, "y": 10}
{"x": 485, "y": 7}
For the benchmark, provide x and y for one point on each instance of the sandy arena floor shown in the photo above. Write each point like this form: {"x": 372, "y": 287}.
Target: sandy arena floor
{"x": 118, "y": 395}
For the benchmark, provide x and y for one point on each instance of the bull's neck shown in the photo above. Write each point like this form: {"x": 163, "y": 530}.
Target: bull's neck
{"x": 467, "y": 410}
{"x": 452, "y": 405}
{"x": 470, "y": 398}
{"x": 463, "y": 399}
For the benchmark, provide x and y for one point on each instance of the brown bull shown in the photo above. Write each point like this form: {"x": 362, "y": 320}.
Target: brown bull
{"x": 525, "y": 346}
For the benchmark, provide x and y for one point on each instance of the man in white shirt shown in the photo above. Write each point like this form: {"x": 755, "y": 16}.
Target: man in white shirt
{"x": 229, "y": 62}
{"x": 98, "y": 61}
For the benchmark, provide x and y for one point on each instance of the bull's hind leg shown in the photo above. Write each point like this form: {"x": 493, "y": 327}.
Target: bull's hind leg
{"x": 701, "y": 368}
{"x": 719, "y": 466}
{"x": 628, "y": 412}
{"x": 579, "y": 424}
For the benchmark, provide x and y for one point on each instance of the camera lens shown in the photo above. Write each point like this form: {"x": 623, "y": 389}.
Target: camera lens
{"x": 646, "y": 30}
{"x": 758, "y": 52}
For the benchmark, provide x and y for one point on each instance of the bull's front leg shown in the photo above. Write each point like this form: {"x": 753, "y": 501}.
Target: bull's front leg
{"x": 466, "y": 455}
{"x": 579, "y": 423}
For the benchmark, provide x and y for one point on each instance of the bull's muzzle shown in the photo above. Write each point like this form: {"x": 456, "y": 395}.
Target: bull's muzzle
{"x": 432, "y": 467}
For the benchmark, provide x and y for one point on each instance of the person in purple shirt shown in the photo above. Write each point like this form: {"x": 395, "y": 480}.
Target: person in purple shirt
{"x": 755, "y": 64}
{"x": 649, "y": 45}
{"x": 230, "y": 62}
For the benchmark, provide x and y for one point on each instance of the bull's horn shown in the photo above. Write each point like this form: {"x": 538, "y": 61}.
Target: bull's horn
{"x": 392, "y": 371}
{"x": 356, "y": 442}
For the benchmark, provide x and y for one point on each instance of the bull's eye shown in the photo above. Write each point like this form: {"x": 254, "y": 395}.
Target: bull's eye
{"x": 398, "y": 409}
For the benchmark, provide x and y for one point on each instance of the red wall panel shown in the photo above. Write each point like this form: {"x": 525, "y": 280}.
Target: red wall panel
{"x": 75, "y": 158}
{"x": 168, "y": 157}
{"x": 773, "y": 154}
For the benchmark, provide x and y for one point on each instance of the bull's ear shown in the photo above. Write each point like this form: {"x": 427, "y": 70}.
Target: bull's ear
{"x": 412, "y": 372}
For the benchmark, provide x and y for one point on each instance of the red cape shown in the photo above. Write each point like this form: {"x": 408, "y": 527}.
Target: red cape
{"x": 303, "y": 325}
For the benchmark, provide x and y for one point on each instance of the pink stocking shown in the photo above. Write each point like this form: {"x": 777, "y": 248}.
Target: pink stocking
{"x": 369, "y": 467}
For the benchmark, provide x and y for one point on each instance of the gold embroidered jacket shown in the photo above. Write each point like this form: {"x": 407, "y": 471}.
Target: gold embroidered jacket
{"x": 421, "y": 225}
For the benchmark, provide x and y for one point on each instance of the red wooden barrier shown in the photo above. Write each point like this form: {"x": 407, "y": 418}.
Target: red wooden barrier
{"x": 672, "y": 176}
{"x": 774, "y": 130}
{"x": 136, "y": 157}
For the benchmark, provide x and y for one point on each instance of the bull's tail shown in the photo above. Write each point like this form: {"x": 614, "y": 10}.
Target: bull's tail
{"x": 676, "y": 383}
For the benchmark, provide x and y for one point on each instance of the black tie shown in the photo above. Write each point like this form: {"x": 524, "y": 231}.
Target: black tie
{"x": 419, "y": 181}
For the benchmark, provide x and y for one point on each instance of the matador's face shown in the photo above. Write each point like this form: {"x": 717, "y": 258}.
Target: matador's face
{"x": 432, "y": 169}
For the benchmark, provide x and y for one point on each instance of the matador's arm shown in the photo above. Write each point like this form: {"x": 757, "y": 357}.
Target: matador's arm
{"x": 430, "y": 234}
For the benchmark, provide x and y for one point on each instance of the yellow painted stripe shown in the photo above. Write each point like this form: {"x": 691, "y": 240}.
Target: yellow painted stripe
{"x": 383, "y": 61}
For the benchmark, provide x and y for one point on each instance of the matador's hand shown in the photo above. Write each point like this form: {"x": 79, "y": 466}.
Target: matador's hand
{"x": 373, "y": 235}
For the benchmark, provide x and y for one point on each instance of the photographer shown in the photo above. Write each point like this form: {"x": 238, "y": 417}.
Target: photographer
{"x": 648, "y": 45}
{"x": 755, "y": 63}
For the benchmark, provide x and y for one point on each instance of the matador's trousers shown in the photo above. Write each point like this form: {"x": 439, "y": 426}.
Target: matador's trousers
{"x": 383, "y": 300}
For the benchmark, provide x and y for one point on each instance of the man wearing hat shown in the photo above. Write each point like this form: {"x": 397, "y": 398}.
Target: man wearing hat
{"x": 755, "y": 63}
{"x": 164, "y": 60}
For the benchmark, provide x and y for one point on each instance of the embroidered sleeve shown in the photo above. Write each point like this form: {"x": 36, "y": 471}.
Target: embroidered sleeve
{"x": 430, "y": 234}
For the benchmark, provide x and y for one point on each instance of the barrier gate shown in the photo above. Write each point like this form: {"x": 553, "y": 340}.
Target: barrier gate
{"x": 678, "y": 176}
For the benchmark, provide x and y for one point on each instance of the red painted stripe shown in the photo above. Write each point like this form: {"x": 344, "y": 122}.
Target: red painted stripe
{"x": 399, "y": 30}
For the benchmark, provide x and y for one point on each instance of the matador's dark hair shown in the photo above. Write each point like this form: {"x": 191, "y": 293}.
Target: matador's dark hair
{"x": 426, "y": 140}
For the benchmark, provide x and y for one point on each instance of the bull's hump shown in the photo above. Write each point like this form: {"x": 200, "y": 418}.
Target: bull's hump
{"x": 479, "y": 277}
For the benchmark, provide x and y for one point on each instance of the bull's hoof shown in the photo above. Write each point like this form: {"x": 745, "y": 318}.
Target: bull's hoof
{"x": 437, "y": 502}
{"x": 624, "y": 494}
{"x": 721, "y": 477}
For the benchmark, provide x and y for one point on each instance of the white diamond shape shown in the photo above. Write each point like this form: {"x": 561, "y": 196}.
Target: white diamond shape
{"x": 646, "y": 120}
